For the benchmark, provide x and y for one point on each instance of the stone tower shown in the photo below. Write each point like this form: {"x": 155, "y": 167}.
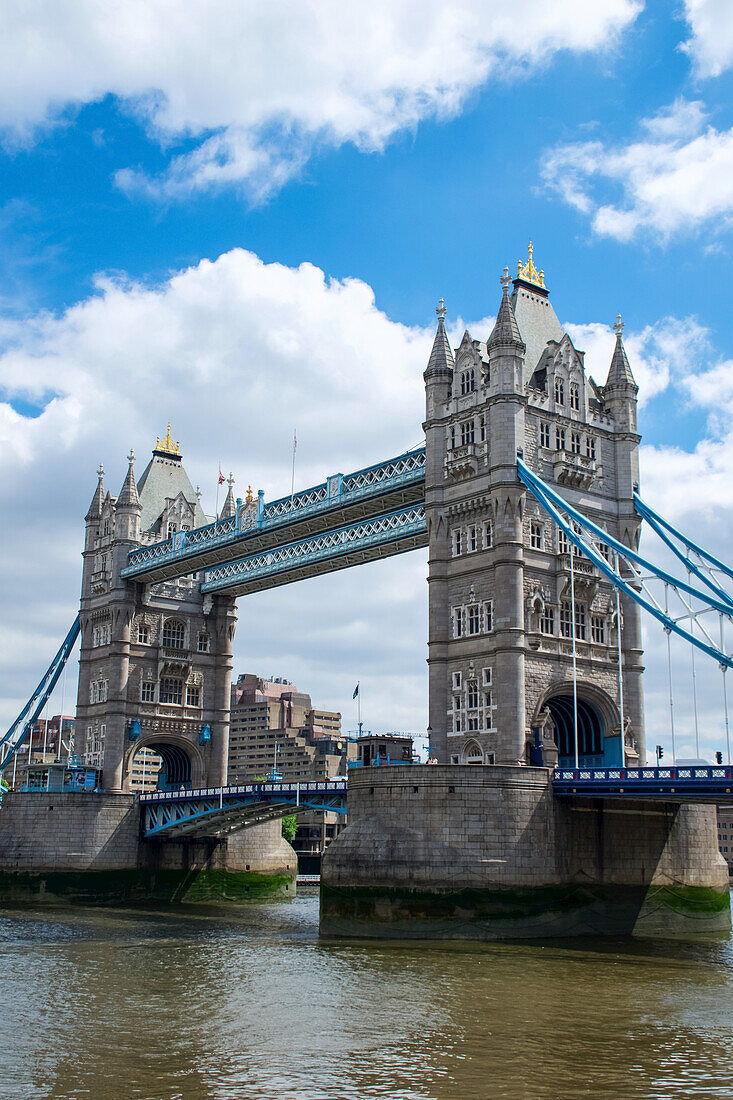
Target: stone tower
{"x": 155, "y": 662}
{"x": 500, "y": 615}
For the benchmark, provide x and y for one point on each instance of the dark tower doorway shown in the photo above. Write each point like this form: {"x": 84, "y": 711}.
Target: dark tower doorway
{"x": 590, "y": 732}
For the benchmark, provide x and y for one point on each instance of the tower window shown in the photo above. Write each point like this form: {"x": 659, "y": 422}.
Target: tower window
{"x": 193, "y": 695}
{"x": 147, "y": 691}
{"x": 566, "y": 620}
{"x": 468, "y": 381}
{"x": 580, "y": 621}
{"x": 598, "y": 629}
{"x": 486, "y": 676}
{"x": 452, "y": 436}
{"x": 467, "y": 432}
{"x": 472, "y": 538}
{"x": 106, "y": 527}
{"x": 457, "y": 678}
{"x": 204, "y": 644}
{"x": 590, "y": 446}
{"x": 171, "y": 530}
{"x": 544, "y": 434}
{"x": 174, "y": 634}
{"x": 488, "y": 535}
{"x": 458, "y": 622}
{"x": 482, "y": 428}
{"x": 171, "y": 691}
{"x": 575, "y": 442}
{"x": 560, "y": 439}
{"x": 474, "y": 619}
{"x": 535, "y": 535}
{"x": 559, "y": 391}
{"x": 547, "y": 621}
{"x": 472, "y": 694}
{"x": 143, "y": 633}
{"x": 488, "y": 616}
{"x": 457, "y": 542}
{"x": 574, "y": 396}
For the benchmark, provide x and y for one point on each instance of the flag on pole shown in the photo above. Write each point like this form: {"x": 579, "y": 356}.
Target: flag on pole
{"x": 221, "y": 476}
{"x": 356, "y": 692}
{"x": 295, "y": 441}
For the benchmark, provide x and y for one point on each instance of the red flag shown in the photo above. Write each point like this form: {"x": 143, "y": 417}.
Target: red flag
{"x": 221, "y": 477}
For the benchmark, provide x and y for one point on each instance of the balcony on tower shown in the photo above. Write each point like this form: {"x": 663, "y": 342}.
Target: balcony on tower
{"x": 574, "y": 470}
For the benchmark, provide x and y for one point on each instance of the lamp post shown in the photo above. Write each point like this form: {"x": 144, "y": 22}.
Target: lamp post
{"x": 429, "y": 732}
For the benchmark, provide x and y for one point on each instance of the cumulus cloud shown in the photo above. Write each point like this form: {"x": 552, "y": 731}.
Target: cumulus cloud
{"x": 711, "y": 43}
{"x": 674, "y": 179}
{"x": 255, "y": 87}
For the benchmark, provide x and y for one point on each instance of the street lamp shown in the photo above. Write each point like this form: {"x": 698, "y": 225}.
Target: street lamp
{"x": 430, "y": 747}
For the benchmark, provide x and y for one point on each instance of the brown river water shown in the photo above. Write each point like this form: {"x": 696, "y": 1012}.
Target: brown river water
{"x": 221, "y": 1004}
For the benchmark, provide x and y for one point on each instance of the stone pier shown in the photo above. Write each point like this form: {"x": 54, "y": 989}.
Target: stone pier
{"x": 487, "y": 852}
{"x": 86, "y": 848}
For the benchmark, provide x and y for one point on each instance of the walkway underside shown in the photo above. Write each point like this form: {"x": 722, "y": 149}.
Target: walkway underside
{"x": 216, "y": 812}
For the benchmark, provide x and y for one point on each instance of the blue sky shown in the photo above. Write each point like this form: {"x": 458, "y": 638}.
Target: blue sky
{"x": 151, "y": 166}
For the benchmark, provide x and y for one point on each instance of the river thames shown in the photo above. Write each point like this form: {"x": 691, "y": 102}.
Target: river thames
{"x": 214, "y": 1004}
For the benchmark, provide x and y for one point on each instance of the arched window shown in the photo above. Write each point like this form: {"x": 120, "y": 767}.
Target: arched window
{"x": 468, "y": 381}
{"x": 574, "y": 396}
{"x": 174, "y": 634}
{"x": 171, "y": 690}
{"x": 472, "y": 753}
{"x": 559, "y": 391}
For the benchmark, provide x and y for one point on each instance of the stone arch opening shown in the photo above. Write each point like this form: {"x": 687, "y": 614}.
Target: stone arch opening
{"x": 473, "y": 753}
{"x": 599, "y": 742}
{"x": 178, "y": 764}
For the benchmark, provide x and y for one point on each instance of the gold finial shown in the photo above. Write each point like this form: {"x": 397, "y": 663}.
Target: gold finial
{"x": 529, "y": 272}
{"x": 250, "y": 498}
{"x": 167, "y": 446}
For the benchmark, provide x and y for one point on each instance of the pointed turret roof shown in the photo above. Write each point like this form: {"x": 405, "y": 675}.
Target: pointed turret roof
{"x": 95, "y": 508}
{"x": 128, "y": 493}
{"x": 506, "y": 330}
{"x": 441, "y": 359}
{"x": 230, "y": 506}
{"x": 619, "y": 373}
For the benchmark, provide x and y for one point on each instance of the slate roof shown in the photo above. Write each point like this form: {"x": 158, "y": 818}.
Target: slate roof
{"x": 537, "y": 322}
{"x": 161, "y": 478}
{"x": 619, "y": 373}
{"x": 441, "y": 357}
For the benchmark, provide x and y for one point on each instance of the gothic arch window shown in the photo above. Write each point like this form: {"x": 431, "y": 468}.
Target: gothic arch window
{"x": 468, "y": 381}
{"x": 559, "y": 391}
{"x": 574, "y": 396}
{"x": 472, "y": 753}
{"x": 174, "y": 634}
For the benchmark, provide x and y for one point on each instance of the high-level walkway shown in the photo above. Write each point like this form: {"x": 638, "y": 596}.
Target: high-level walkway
{"x": 346, "y": 520}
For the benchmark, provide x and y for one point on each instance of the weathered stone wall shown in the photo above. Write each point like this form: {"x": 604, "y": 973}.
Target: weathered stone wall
{"x": 489, "y": 852}
{"x": 87, "y": 848}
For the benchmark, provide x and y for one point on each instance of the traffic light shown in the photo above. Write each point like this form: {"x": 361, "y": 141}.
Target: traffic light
{"x": 718, "y": 758}
{"x": 660, "y": 753}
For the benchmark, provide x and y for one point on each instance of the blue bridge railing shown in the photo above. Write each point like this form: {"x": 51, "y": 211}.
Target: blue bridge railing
{"x": 683, "y": 783}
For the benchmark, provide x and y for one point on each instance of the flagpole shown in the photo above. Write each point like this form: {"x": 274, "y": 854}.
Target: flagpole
{"x": 218, "y": 486}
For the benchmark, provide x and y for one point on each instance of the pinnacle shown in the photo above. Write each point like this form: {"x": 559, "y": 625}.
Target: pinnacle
{"x": 128, "y": 493}
{"x": 619, "y": 373}
{"x": 441, "y": 359}
{"x": 230, "y": 506}
{"x": 95, "y": 508}
{"x": 505, "y": 331}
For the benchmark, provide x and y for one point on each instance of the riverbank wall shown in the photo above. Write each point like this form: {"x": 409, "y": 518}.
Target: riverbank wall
{"x": 86, "y": 848}
{"x": 487, "y": 852}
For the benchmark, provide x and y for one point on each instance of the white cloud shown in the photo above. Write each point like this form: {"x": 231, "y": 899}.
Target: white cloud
{"x": 711, "y": 44}
{"x": 674, "y": 180}
{"x": 256, "y": 86}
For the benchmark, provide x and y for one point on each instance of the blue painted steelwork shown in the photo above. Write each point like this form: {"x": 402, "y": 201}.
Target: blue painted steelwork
{"x": 392, "y": 533}
{"x": 552, "y": 502}
{"x": 18, "y": 733}
{"x": 340, "y": 496}
{"x": 665, "y": 529}
{"x": 216, "y": 811}
{"x": 676, "y": 784}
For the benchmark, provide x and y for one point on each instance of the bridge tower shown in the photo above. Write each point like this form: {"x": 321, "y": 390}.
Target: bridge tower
{"x": 156, "y": 660}
{"x": 500, "y": 611}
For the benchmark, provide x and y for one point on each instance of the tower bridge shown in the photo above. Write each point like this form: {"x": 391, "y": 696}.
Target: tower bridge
{"x": 526, "y": 495}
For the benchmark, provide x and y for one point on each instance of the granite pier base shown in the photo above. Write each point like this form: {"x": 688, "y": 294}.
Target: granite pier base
{"x": 488, "y": 853}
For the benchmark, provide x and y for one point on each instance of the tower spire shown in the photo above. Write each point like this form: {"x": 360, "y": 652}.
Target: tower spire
{"x": 441, "y": 359}
{"x": 619, "y": 373}
{"x": 128, "y": 493}
{"x": 506, "y": 330}
{"x": 95, "y": 508}
{"x": 230, "y": 506}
